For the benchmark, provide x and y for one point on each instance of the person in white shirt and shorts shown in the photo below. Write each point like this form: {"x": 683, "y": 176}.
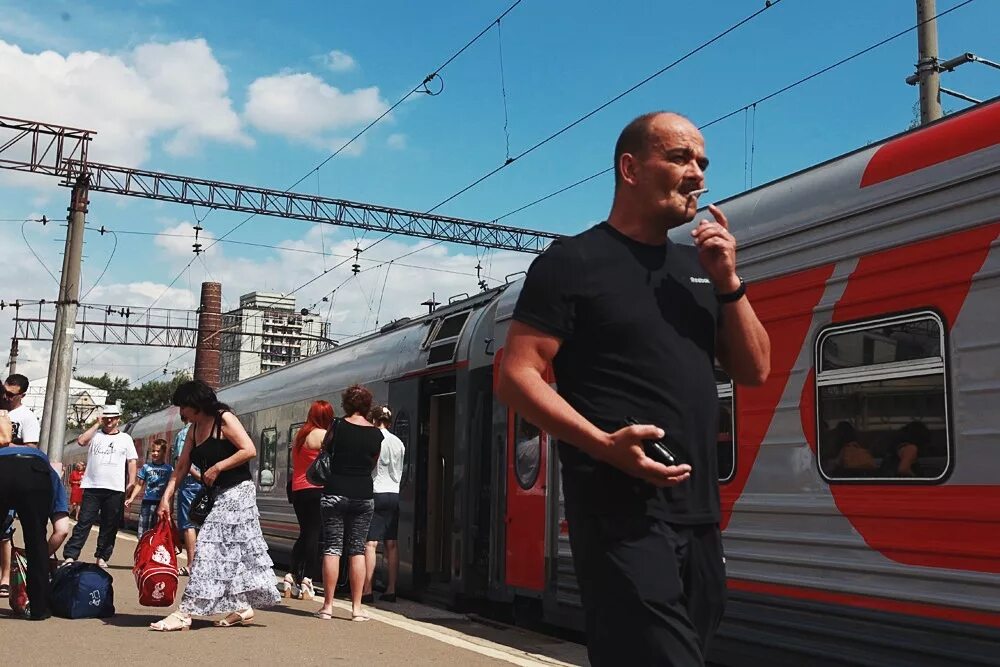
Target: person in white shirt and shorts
{"x": 385, "y": 522}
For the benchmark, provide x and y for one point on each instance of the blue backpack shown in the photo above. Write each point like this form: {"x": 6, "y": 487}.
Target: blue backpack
{"x": 82, "y": 590}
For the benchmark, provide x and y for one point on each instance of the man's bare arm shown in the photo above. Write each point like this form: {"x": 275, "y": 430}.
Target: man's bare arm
{"x": 743, "y": 348}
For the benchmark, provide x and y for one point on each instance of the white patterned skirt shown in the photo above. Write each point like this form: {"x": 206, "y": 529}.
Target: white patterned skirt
{"x": 232, "y": 569}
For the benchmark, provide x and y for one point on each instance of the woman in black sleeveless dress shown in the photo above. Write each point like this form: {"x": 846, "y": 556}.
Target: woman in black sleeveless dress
{"x": 347, "y": 503}
{"x": 232, "y": 574}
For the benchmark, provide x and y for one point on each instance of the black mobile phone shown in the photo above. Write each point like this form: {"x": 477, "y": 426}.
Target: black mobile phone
{"x": 659, "y": 450}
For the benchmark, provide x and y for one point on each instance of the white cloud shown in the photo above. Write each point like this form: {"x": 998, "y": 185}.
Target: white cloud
{"x": 304, "y": 108}
{"x": 396, "y": 141}
{"x": 439, "y": 269}
{"x": 174, "y": 92}
{"x": 339, "y": 61}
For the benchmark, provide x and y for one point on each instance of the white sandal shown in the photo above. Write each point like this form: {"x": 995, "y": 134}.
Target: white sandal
{"x": 173, "y": 622}
{"x": 235, "y": 618}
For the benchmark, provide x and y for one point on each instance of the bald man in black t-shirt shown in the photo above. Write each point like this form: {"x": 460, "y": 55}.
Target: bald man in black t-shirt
{"x": 632, "y": 324}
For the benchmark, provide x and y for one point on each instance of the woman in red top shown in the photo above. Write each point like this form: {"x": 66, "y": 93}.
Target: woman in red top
{"x": 305, "y": 499}
{"x": 75, "y": 492}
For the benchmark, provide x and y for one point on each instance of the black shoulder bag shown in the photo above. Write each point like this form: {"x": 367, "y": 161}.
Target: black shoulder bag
{"x": 202, "y": 504}
{"x": 321, "y": 470}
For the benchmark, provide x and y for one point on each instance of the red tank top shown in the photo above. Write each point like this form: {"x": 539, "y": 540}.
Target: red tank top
{"x": 302, "y": 458}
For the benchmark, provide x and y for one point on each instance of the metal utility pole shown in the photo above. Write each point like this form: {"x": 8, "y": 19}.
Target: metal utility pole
{"x": 61, "y": 357}
{"x": 927, "y": 61}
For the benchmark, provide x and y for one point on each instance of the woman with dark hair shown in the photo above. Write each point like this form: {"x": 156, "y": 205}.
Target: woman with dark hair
{"x": 305, "y": 500}
{"x": 232, "y": 573}
{"x": 348, "y": 499}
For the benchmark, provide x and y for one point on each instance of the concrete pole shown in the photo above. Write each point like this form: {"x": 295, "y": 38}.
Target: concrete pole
{"x": 47, "y": 411}
{"x": 65, "y": 337}
{"x": 13, "y": 357}
{"x": 207, "y": 354}
{"x": 927, "y": 62}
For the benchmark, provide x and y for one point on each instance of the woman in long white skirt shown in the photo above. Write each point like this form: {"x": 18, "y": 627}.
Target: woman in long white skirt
{"x": 232, "y": 574}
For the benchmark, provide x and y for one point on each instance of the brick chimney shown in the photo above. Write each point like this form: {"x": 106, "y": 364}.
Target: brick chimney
{"x": 207, "y": 355}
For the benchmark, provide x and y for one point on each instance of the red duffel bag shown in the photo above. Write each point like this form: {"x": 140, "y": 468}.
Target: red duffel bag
{"x": 155, "y": 566}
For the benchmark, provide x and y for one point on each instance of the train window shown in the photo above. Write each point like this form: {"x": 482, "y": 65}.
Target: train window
{"x": 268, "y": 457}
{"x": 880, "y": 400}
{"x": 726, "y": 441}
{"x": 527, "y": 452}
{"x": 292, "y": 430}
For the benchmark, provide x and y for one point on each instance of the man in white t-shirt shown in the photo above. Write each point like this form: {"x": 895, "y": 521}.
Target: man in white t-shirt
{"x": 22, "y": 419}
{"x": 111, "y": 454}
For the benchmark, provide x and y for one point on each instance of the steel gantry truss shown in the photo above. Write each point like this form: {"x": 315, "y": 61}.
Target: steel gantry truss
{"x": 135, "y": 325}
{"x": 62, "y": 151}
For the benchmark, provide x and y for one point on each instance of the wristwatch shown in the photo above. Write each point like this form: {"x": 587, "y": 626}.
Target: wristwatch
{"x": 735, "y": 295}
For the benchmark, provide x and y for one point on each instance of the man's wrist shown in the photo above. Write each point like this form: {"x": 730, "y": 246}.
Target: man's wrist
{"x": 732, "y": 296}
{"x": 728, "y": 285}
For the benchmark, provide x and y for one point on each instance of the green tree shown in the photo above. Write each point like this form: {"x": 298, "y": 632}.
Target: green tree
{"x": 136, "y": 401}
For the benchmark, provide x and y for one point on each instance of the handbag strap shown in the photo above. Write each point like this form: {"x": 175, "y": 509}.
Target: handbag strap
{"x": 331, "y": 434}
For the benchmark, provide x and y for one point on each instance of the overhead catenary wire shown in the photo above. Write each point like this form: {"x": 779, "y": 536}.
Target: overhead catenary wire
{"x": 606, "y": 104}
{"x": 753, "y": 104}
{"x": 111, "y": 257}
{"x": 421, "y": 87}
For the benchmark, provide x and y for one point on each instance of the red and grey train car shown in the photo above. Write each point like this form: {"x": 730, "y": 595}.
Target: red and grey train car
{"x": 877, "y": 275}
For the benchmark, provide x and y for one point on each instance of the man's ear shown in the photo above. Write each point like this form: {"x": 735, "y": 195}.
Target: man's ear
{"x": 627, "y": 166}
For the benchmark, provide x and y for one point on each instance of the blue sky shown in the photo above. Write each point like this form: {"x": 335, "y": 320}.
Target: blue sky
{"x": 272, "y": 103}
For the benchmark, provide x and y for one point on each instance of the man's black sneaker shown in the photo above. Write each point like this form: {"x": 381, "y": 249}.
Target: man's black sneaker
{"x": 387, "y": 597}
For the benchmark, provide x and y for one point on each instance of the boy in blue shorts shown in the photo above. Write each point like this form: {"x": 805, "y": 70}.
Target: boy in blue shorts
{"x": 188, "y": 489}
{"x": 151, "y": 481}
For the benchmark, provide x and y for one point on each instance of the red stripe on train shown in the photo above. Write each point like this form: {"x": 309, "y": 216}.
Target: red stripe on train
{"x": 972, "y": 131}
{"x": 947, "y": 526}
{"x": 785, "y": 307}
{"x": 955, "y": 614}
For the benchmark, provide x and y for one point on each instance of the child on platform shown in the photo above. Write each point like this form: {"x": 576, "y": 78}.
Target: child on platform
{"x": 152, "y": 478}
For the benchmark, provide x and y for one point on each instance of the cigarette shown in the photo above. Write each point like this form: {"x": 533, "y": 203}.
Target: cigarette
{"x": 696, "y": 193}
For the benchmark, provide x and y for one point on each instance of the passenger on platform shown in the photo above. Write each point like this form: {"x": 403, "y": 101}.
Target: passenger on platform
{"x": 23, "y": 420}
{"x": 187, "y": 489}
{"x": 29, "y": 484}
{"x": 347, "y": 503}
{"x": 25, "y": 431}
{"x": 385, "y": 521}
{"x": 75, "y": 490}
{"x": 111, "y": 454}
{"x": 631, "y": 322}
{"x": 153, "y": 478}
{"x": 306, "y": 446}
{"x": 232, "y": 574}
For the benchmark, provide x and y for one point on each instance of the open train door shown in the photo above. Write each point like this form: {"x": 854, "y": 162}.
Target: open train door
{"x": 527, "y": 463}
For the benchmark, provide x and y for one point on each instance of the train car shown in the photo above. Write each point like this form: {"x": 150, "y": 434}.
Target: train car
{"x": 860, "y": 493}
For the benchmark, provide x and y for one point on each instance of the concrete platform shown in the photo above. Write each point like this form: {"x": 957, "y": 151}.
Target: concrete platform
{"x": 404, "y": 633}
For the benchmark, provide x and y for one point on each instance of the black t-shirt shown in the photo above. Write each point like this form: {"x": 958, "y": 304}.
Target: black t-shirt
{"x": 638, "y": 326}
{"x": 355, "y": 451}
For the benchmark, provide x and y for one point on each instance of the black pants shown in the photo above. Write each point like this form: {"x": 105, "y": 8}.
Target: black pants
{"x": 305, "y": 553}
{"x": 97, "y": 503}
{"x": 653, "y": 592}
{"x": 26, "y": 486}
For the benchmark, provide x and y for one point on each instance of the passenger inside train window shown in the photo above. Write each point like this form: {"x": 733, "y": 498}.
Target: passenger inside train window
{"x": 902, "y": 458}
{"x": 268, "y": 456}
{"x": 852, "y": 457}
{"x": 881, "y": 405}
{"x": 527, "y": 452}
